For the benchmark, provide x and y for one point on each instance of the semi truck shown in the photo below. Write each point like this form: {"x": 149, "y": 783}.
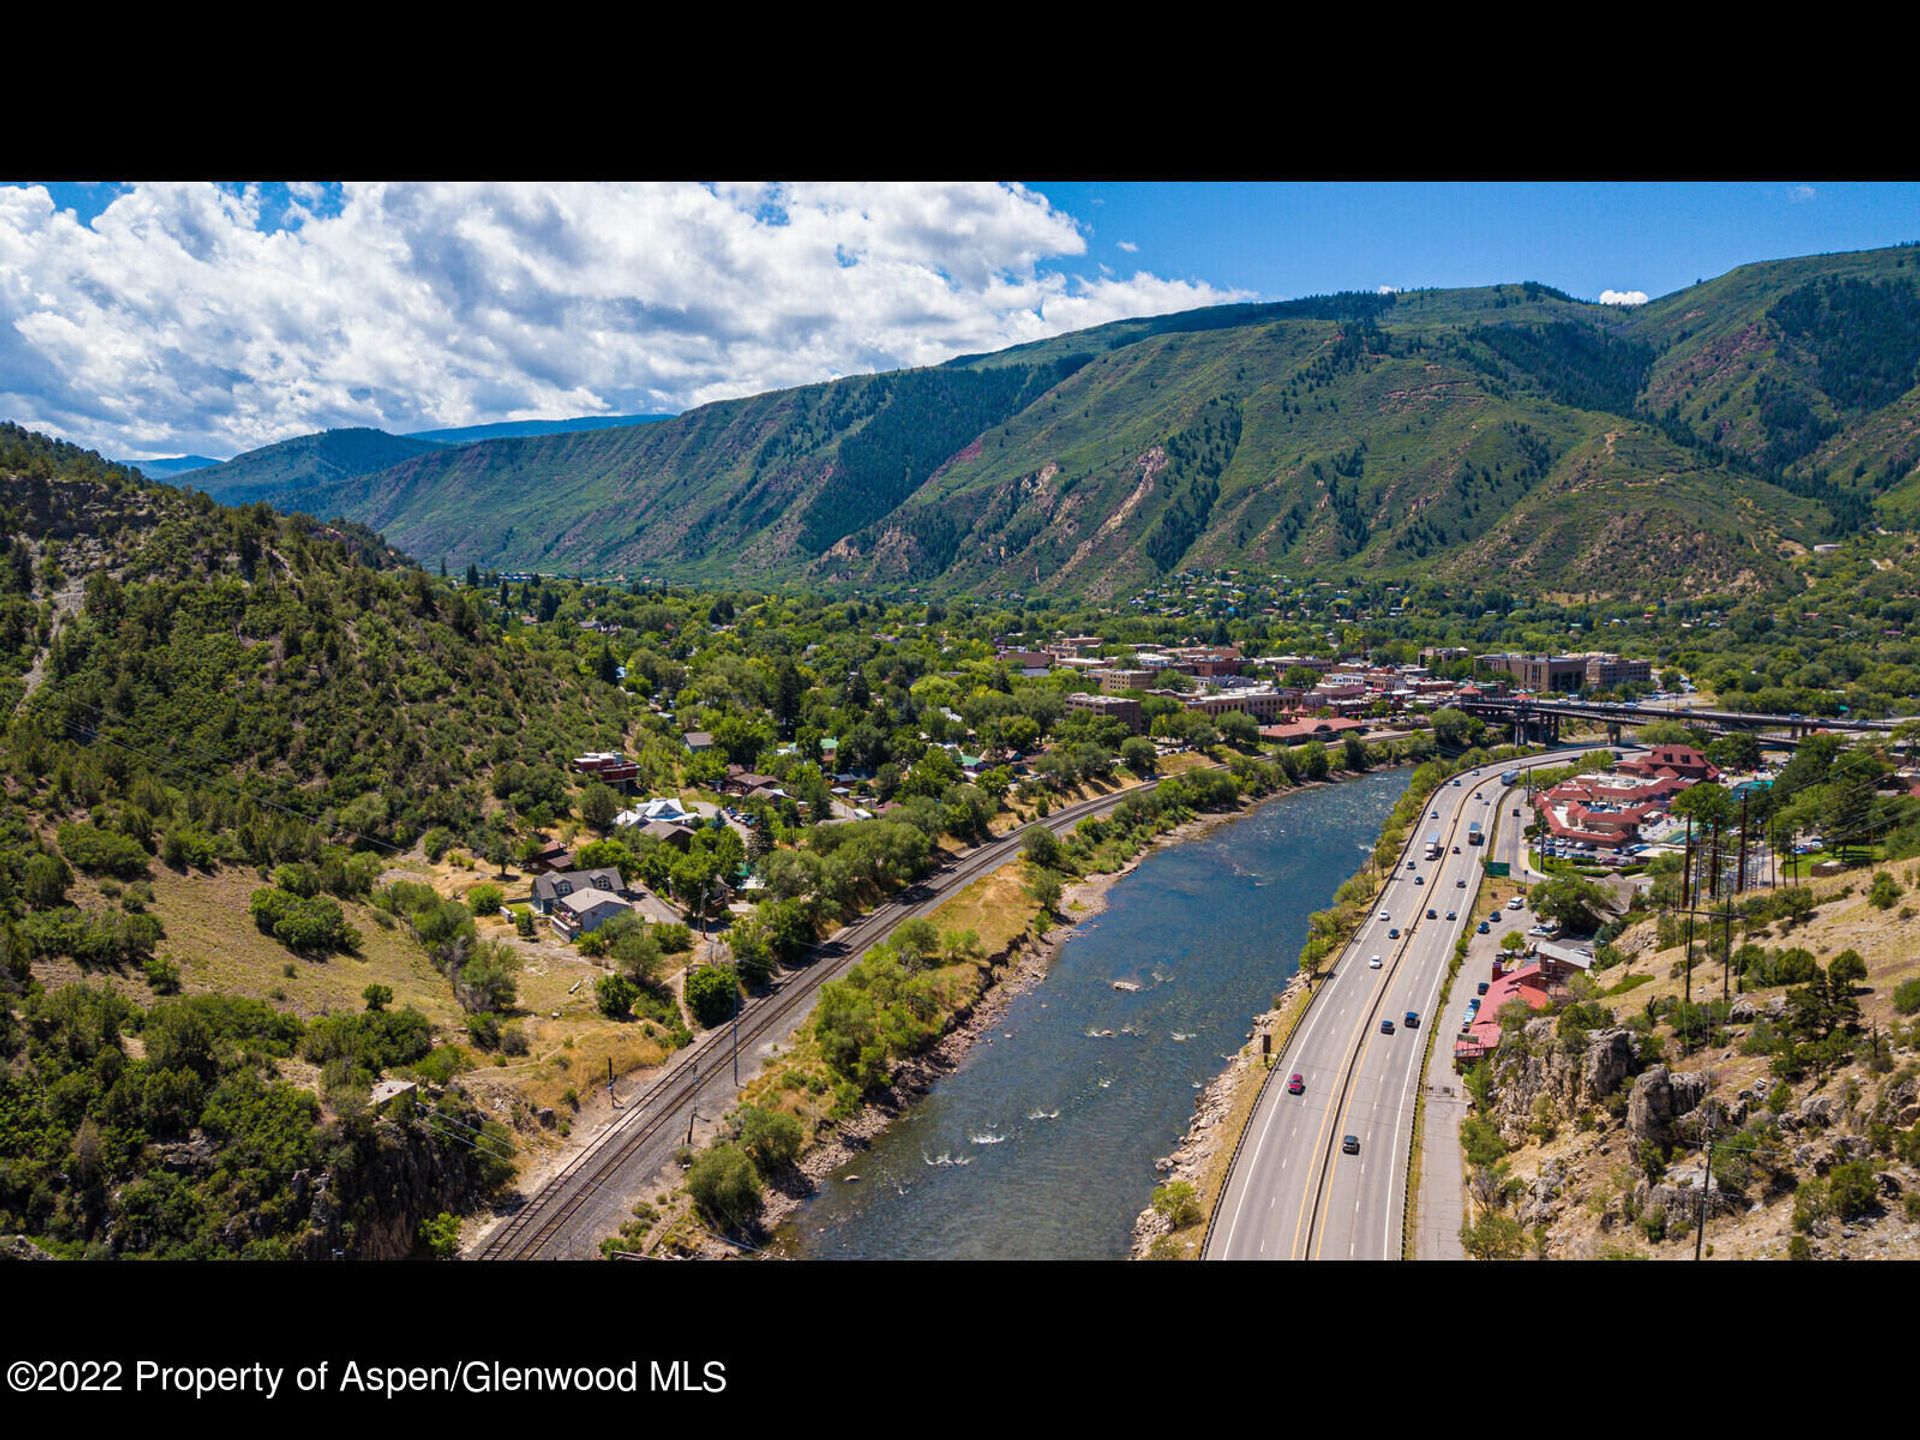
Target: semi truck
{"x": 1433, "y": 845}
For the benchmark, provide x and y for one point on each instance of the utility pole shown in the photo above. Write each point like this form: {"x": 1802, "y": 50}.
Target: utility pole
{"x": 1740, "y": 876}
{"x": 736, "y": 1030}
{"x": 1706, "y": 1181}
{"x": 1686, "y": 902}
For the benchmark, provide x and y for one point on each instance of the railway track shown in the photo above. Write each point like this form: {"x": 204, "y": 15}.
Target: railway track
{"x": 531, "y": 1231}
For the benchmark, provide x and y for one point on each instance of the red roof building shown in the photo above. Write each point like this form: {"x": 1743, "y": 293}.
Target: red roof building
{"x": 1480, "y": 1039}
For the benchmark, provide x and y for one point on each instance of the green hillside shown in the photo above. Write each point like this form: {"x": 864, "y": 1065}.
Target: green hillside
{"x": 305, "y": 461}
{"x": 1694, "y": 443}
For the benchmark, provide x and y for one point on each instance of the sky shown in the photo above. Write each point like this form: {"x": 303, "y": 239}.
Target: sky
{"x": 151, "y": 319}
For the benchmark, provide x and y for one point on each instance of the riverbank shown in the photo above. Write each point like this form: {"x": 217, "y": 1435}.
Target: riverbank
{"x": 1010, "y": 974}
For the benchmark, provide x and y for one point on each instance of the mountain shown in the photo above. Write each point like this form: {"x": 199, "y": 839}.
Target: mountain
{"x": 1693, "y": 445}
{"x": 505, "y": 429}
{"x": 305, "y": 461}
{"x": 177, "y": 465}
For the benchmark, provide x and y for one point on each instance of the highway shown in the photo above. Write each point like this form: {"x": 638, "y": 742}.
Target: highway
{"x": 1293, "y": 1193}
{"x": 592, "y": 1195}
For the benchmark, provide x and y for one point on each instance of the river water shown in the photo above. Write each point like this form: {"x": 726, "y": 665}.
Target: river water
{"x": 1041, "y": 1146}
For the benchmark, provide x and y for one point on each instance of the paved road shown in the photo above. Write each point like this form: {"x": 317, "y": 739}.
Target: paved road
{"x": 1293, "y": 1193}
{"x": 593, "y": 1195}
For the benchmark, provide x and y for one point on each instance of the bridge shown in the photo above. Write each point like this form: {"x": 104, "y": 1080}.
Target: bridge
{"x": 1539, "y": 723}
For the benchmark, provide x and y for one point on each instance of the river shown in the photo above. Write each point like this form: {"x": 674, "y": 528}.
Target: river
{"x": 1041, "y": 1146}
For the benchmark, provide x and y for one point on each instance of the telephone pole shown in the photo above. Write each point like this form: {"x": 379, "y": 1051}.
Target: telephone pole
{"x": 1706, "y": 1181}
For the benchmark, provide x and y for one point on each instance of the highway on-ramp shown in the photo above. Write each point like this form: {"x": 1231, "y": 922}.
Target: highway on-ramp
{"x": 1294, "y": 1193}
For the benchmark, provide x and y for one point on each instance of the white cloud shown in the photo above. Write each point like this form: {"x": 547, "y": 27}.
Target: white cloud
{"x": 1128, "y": 246}
{"x": 1799, "y": 194}
{"x": 1623, "y": 297}
{"x": 1386, "y": 290}
{"x": 182, "y": 318}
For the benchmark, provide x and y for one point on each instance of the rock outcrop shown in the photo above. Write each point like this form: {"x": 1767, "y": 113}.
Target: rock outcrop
{"x": 1537, "y": 1063}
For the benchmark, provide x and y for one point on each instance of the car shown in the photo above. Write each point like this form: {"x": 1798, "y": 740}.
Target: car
{"x": 1484, "y": 927}
{"x": 1411, "y": 1020}
{"x": 1431, "y": 914}
{"x": 1456, "y": 849}
{"x": 1385, "y": 917}
{"x": 1456, "y": 784}
{"x": 1516, "y": 814}
{"x": 1296, "y": 1086}
{"x": 1461, "y": 883}
{"x": 1393, "y": 934}
{"x": 1483, "y": 987}
{"x": 1419, "y": 879}
{"x": 1410, "y": 865}
{"x": 1516, "y": 903}
{"x": 1386, "y": 1026}
{"x": 1373, "y": 962}
{"x": 1435, "y": 815}
{"x": 1350, "y": 1144}
{"x": 1452, "y": 916}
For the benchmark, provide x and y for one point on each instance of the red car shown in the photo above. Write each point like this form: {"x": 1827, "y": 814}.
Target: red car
{"x": 1296, "y": 1086}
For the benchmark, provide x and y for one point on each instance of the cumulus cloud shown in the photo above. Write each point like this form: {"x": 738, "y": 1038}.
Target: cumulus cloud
{"x": 209, "y": 319}
{"x": 1800, "y": 194}
{"x": 1623, "y": 297}
{"x": 1128, "y": 246}
{"x": 1386, "y": 290}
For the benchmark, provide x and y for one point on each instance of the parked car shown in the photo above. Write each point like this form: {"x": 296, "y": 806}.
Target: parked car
{"x": 1483, "y": 987}
{"x": 1296, "y": 1086}
{"x": 1516, "y": 903}
{"x": 1483, "y": 928}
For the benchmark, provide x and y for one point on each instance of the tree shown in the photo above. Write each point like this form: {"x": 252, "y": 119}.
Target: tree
{"x": 771, "y": 1138}
{"x": 1578, "y": 904}
{"x": 1138, "y": 754}
{"x": 486, "y": 982}
{"x": 724, "y": 1185}
{"x": 1040, "y": 846}
{"x": 378, "y": 997}
{"x": 598, "y": 806}
{"x": 1179, "y": 1203}
{"x": 1493, "y": 1236}
{"x": 440, "y": 1236}
{"x": 1238, "y": 729}
{"x": 713, "y": 993}
{"x": 615, "y": 994}
{"x": 1045, "y": 887}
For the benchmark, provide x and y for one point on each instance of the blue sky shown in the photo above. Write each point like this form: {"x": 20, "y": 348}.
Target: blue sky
{"x": 158, "y": 319}
{"x": 1289, "y": 240}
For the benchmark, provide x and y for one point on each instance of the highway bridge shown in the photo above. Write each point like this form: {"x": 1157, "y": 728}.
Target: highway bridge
{"x": 1540, "y": 722}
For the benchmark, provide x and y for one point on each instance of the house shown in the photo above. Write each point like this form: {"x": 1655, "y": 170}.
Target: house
{"x": 1480, "y": 1039}
{"x": 549, "y": 889}
{"x": 1678, "y": 760}
{"x": 603, "y": 765}
{"x": 576, "y": 914}
{"x": 667, "y": 809}
{"x": 555, "y": 857}
{"x": 744, "y": 782}
{"x": 1300, "y": 732}
{"x": 668, "y": 832}
{"x": 698, "y": 741}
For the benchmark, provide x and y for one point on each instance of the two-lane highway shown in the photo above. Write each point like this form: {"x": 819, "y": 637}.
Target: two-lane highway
{"x": 1295, "y": 1192}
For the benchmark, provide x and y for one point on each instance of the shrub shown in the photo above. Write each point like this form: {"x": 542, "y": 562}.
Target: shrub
{"x": 771, "y": 1138}
{"x": 724, "y": 1185}
{"x": 1179, "y": 1202}
{"x": 1906, "y": 997}
{"x": 440, "y": 1236}
{"x": 616, "y": 995}
{"x": 485, "y": 898}
{"x": 713, "y": 992}
{"x": 103, "y": 852}
{"x": 1885, "y": 891}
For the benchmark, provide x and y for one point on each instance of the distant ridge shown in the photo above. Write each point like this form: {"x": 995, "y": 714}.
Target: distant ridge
{"x": 511, "y": 429}
{"x": 175, "y": 465}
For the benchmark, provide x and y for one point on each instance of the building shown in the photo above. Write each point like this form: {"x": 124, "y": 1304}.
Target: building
{"x": 1301, "y": 731}
{"x": 1113, "y": 682}
{"x": 1481, "y": 1037}
{"x": 665, "y": 809}
{"x": 1610, "y": 672}
{"x": 582, "y": 911}
{"x": 1593, "y": 670}
{"x": 1031, "y": 663}
{"x": 1118, "y": 707}
{"x": 1261, "y": 704}
{"x": 1682, "y": 761}
{"x": 548, "y": 890}
{"x": 604, "y": 765}
{"x": 698, "y": 741}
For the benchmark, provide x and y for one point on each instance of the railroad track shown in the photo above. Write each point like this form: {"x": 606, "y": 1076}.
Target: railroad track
{"x": 532, "y": 1229}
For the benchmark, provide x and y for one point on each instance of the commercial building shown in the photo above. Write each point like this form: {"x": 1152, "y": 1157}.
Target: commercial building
{"x": 1118, "y": 707}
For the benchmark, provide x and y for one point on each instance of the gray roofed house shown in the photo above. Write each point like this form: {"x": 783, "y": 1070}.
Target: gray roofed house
{"x": 698, "y": 740}
{"x": 575, "y": 914}
{"x": 549, "y": 888}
